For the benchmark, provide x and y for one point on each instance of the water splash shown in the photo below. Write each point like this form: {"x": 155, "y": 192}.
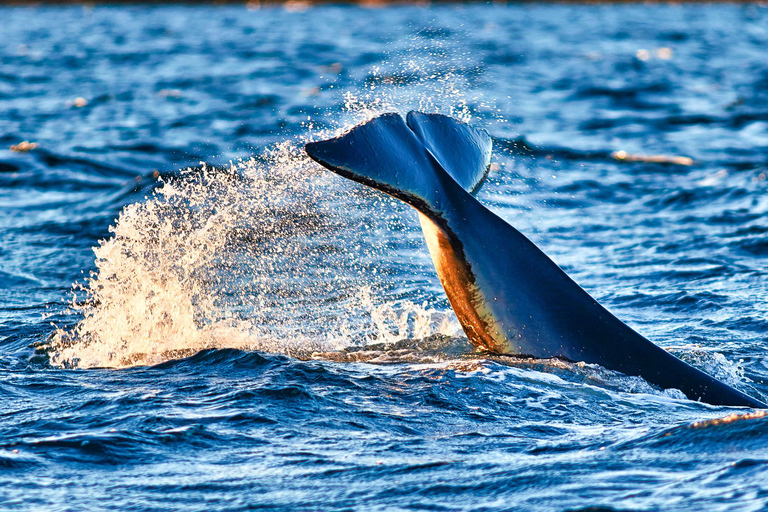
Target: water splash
{"x": 404, "y": 320}
{"x": 263, "y": 255}
{"x": 712, "y": 363}
{"x": 426, "y": 80}
{"x": 267, "y": 254}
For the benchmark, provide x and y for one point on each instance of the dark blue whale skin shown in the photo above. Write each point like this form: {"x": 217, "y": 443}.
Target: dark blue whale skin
{"x": 509, "y": 297}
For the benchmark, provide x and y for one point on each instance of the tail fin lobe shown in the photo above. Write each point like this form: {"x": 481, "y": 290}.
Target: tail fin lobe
{"x": 408, "y": 160}
{"x": 462, "y": 150}
{"x": 384, "y": 154}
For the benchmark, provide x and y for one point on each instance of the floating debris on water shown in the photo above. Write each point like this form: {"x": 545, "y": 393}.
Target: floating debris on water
{"x": 23, "y": 147}
{"x": 169, "y": 93}
{"x": 623, "y": 156}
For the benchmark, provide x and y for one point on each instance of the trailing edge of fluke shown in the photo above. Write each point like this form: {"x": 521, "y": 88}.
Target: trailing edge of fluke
{"x": 508, "y": 295}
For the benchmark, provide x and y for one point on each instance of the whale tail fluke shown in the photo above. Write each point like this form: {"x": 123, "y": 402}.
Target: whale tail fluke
{"x": 408, "y": 160}
{"x": 507, "y": 294}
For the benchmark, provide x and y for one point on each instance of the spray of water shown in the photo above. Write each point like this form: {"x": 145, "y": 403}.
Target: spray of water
{"x": 270, "y": 254}
{"x": 172, "y": 278}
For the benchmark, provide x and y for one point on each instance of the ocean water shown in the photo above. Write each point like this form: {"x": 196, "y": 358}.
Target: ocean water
{"x": 194, "y": 316}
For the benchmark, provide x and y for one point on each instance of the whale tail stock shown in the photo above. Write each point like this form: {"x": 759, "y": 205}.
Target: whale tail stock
{"x": 407, "y": 158}
{"x": 426, "y": 161}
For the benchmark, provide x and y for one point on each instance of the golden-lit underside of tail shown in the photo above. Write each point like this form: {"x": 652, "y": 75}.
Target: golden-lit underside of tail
{"x": 465, "y": 297}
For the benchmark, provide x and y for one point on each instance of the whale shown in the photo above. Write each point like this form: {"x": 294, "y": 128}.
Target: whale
{"x": 508, "y": 295}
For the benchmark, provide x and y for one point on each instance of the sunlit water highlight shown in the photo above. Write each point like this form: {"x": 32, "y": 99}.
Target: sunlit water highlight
{"x": 253, "y": 331}
{"x": 254, "y": 256}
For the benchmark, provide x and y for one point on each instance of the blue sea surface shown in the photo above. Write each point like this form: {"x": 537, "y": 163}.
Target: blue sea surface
{"x": 194, "y": 316}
